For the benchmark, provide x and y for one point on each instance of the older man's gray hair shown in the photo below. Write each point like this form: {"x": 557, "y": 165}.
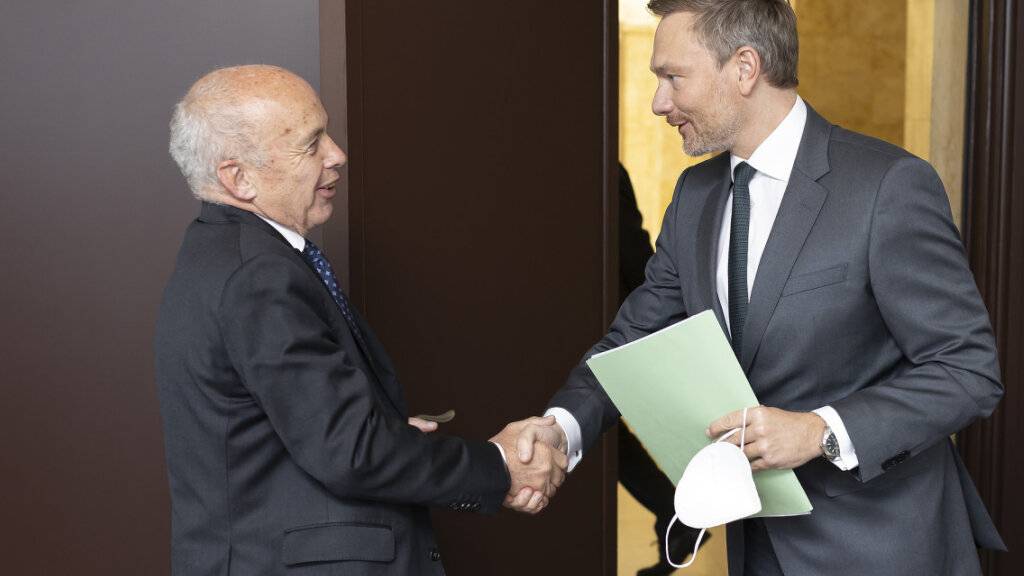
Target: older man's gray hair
{"x": 209, "y": 125}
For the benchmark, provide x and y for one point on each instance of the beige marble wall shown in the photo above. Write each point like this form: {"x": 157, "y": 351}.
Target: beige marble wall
{"x": 893, "y": 70}
{"x": 853, "y": 63}
{"x": 949, "y": 97}
{"x": 917, "y": 105}
{"x": 649, "y": 148}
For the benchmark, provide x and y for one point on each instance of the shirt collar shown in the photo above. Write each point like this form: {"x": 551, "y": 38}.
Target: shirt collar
{"x": 776, "y": 155}
{"x": 293, "y": 237}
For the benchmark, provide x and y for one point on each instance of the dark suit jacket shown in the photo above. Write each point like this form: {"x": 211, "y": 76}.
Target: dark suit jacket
{"x": 863, "y": 300}
{"x": 288, "y": 449}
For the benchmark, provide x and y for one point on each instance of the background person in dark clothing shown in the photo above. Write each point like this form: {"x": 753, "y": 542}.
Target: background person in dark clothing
{"x": 637, "y": 471}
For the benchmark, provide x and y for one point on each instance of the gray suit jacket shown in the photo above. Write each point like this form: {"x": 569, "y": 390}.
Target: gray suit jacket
{"x": 864, "y": 301}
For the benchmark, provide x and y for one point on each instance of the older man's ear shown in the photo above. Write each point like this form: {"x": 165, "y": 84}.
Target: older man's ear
{"x": 236, "y": 183}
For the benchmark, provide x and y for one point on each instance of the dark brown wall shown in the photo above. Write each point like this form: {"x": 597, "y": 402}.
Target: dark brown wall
{"x": 994, "y": 231}
{"x": 93, "y": 211}
{"x": 481, "y": 140}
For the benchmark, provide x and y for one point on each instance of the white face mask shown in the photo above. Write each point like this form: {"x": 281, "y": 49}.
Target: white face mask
{"x": 717, "y": 487}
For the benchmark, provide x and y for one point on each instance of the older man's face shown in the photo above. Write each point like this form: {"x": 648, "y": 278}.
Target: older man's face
{"x": 295, "y": 184}
{"x": 693, "y": 94}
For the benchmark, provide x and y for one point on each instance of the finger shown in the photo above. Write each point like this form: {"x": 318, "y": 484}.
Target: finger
{"x": 724, "y": 424}
{"x": 734, "y": 440}
{"x": 759, "y": 464}
{"x": 522, "y": 498}
{"x": 753, "y": 450}
{"x": 424, "y": 426}
{"x": 733, "y": 420}
{"x": 560, "y": 458}
{"x": 540, "y": 506}
{"x": 558, "y": 477}
{"x": 524, "y": 444}
{"x": 550, "y": 489}
{"x": 534, "y": 502}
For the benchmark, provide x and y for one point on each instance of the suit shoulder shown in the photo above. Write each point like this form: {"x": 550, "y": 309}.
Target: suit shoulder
{"x": 212, "y": 253}
{"x": 708, "y": 168}
{"x": 866, "y": 151}
{"x": 704, "y": 175}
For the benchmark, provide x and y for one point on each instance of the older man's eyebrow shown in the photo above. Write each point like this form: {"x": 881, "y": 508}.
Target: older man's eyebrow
{"x": 313, "y": 136}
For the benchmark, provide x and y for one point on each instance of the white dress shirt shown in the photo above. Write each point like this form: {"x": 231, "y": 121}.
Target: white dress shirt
{"x": 293, "y": 237}
{"x": 773, "y": 160}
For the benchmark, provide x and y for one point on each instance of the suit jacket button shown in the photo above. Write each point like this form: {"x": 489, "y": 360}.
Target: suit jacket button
{"x": 435, "y": 556}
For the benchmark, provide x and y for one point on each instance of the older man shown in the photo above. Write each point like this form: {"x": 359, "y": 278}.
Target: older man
{"x": 831, "y": 261}
{"x": 288, "y": 445}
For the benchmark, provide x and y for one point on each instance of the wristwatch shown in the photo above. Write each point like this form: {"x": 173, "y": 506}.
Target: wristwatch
{"x": 829, "y": 445}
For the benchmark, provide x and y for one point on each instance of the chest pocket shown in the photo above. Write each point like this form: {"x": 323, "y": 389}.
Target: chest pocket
{"x": 815, "y": 280}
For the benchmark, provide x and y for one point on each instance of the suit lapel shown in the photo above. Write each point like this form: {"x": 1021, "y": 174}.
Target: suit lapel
{"x": 390, "y": 386}
{"x": 375, "y": 359}
{"x": 707, "y": 239}
{"x": 801, "y": 204}
{"x": 380, "y": 363}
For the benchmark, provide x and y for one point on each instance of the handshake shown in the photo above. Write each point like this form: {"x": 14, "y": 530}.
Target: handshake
{"x": 535, "y": 452}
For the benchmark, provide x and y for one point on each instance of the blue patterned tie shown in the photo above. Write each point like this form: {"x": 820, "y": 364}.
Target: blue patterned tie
{"x": 315, "y": 257}
{"x": 738, "y": 235}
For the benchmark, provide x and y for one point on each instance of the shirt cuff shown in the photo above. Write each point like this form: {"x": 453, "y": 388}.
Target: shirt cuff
{"x": 573, "y": 436}
{"x": 502, "y": 450}
{"x": 847, "y": 454}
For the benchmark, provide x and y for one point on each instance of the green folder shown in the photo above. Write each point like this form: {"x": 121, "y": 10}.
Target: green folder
{"x": 670, "y": 385}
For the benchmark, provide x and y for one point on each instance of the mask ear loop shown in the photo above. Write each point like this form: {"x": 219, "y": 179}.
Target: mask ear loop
{"x": 696, "y": 545}
{"x": 743, "y": 430}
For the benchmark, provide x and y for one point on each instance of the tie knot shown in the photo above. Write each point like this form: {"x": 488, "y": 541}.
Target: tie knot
{"x": 742, "y": 174}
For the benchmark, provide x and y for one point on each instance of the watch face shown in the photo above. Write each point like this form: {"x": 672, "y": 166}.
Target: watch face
{"x": 831, "y": 447}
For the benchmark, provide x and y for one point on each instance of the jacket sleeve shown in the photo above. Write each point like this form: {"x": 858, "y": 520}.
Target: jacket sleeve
{"x": 657, "y": 303}
{"x": 930, "y": 304}
{"x": 275, "y": 327}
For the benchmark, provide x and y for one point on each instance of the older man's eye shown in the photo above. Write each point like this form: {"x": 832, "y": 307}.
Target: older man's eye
{"x": 312, "y": 148}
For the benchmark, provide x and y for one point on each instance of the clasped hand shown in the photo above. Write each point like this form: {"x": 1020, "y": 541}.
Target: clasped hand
{"x": 535, "y": 453}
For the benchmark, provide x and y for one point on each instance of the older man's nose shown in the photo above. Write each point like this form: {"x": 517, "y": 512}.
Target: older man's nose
{"x": 335, "y": 157}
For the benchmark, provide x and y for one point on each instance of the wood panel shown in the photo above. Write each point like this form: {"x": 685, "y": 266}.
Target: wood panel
{"x": 479, "y": 234}
{"x": 994, "y": 233}
{"x": 93, "y": 213}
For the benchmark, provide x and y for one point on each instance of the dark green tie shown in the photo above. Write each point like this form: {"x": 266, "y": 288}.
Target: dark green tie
{"x": 738, "y": 233}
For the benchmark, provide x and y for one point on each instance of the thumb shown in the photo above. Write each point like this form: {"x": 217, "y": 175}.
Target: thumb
{"x": 547, "y": 420}
{"x": 524, "y": 444}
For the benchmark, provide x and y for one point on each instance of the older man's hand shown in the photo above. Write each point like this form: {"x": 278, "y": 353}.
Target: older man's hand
{"x": 535, "y": 453}
{"x": 775, "y": 439}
